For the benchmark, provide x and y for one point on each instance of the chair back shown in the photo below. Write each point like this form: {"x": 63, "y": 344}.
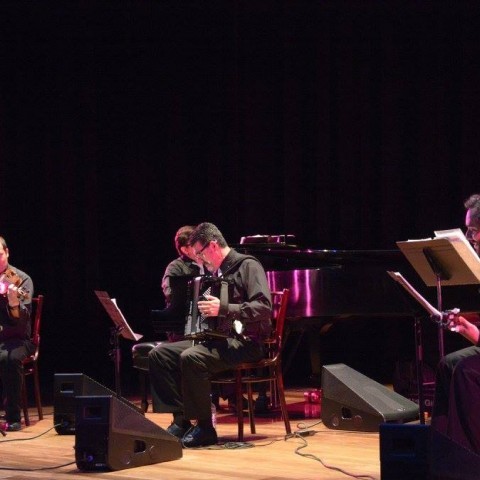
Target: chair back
{"x": 279, "y": 309}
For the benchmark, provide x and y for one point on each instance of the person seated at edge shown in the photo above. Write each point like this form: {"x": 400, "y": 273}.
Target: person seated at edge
{"x": 180, "y": 372}
{"x": 15, "y": 331}
{"x": 457, "y": 386}
{"x": 185, "y": 264}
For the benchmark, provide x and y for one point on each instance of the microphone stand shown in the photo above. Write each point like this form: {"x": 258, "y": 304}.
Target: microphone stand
{"x": 114, "y": 353}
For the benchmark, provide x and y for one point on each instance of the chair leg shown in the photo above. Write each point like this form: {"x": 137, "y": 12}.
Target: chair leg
{"x": 281, "y": 396}
{"x": 143, "y": 389}
{"x": 38, "y": 398}
{"x": 25, "y": 402}
{"x": 238, "y": 385}
{"x": 251, "y": 409}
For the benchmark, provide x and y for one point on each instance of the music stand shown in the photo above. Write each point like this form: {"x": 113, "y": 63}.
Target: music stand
{"x": 435, "y": 314}
{"x": 448, "y": 259}
{"x": 121, "y": 327}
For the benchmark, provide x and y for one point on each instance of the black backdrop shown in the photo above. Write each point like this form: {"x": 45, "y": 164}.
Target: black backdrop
{"x": 351, "y": 124}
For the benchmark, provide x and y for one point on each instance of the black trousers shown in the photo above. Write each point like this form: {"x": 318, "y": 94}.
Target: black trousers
{"x": 457, "y": 393}
{"x": 180, "y": 373}
{"x": 12, "y": 353}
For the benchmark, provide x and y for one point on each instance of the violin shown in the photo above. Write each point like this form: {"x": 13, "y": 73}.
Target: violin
{"x": 10, "y": 277}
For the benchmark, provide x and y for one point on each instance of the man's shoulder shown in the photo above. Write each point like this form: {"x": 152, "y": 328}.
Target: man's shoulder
{"x": 181, "y": 267}
{"x": 23, "y": 275}
{"x": 235, "y": 260}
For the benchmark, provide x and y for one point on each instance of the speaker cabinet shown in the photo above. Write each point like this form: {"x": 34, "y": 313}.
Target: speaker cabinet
{"x": 404, "y": 451}
{"x": 110, "y": 435}
{"x": 67, "y": 386}
{"x": 352, "y": 401}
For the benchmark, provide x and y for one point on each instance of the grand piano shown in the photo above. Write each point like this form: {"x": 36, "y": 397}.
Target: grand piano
{"x": 328, "y": 286}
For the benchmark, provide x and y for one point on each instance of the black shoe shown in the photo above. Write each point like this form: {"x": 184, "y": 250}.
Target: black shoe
{"x": 177, "y": 431}
{"x": 14, "y": 427}
{"x": 200, "y": 437}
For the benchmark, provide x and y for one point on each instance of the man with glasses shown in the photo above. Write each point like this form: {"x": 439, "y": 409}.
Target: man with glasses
{"x": 457, "y": 385}
{"x": 180, "y": 372}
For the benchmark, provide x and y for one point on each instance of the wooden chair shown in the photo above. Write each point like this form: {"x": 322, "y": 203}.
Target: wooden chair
{"x": 140, "y": 353}
{"x": 30, "y": 363}
{"x": 267, "y": 370}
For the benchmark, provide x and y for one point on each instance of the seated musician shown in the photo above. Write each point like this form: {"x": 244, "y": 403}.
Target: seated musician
{"x": 186, "y": 264}
{"x": 457, "y": 386}
{"x": 180, "y": 372}
{"x": 15, "y": 330}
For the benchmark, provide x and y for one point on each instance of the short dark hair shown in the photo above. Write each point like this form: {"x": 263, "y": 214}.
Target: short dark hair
{"x": 472, "y": 203}
{"x": 207, "y": 232}
{"x": 182, "y": 237}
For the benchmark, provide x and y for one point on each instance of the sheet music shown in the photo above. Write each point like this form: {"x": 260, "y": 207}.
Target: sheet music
{"x": 398, "y": 277}
{"x": 450, "y": 252}
{"x": 114, "y": 312}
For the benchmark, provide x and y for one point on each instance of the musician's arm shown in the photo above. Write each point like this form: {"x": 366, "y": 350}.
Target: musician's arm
{"x": 258, "y": 304}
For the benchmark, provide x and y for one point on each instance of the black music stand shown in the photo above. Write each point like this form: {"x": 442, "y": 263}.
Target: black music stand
{"x": 120, "y": 328}
{"x": 448, "y": 259}
{"x": 415, "y": 300}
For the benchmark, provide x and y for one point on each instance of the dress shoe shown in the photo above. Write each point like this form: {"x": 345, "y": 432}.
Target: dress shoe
{"x": 14, "y": 427}
{"x": 200, "y": 437}
{"x": 177, "y": 431}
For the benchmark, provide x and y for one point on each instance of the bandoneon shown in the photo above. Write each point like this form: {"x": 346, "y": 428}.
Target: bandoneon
{"x": 198, "y": 327}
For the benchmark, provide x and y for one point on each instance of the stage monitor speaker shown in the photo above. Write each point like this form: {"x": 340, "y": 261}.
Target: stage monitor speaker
{"x": 404, "y": 451}
{"x": 352, "y": 401}
{"x": 110, "y": 435}
{"x": 66, "y": 387}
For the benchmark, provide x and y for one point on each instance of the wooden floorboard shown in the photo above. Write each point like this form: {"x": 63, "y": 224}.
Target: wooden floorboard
{"x": 38, "y": 452}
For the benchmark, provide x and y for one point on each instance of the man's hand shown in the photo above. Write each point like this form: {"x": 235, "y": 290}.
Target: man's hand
{"x": 465, "y": 328}
{"x": 210, "y": 306}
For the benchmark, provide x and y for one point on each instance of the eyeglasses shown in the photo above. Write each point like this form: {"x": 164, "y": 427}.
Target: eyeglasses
{"x": 200, "y": 253}
{"x": 472, "y": 232}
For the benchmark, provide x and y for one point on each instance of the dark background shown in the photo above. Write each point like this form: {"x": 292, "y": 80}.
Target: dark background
{"x": 350, "y": 124}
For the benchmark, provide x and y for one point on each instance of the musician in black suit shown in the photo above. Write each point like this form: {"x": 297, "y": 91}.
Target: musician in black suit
{"x": 180, "y": 372}
{"x": 457, "y": 385}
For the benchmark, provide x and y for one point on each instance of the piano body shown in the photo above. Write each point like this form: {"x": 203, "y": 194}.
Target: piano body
{"x": 327, "y": 286}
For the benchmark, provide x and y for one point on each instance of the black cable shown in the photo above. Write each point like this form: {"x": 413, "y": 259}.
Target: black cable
{"x": 36, "y": 469}
{"x": 318, "y": 459}
{"x": 39, "y": 468}
{"x": 30, "y": 438}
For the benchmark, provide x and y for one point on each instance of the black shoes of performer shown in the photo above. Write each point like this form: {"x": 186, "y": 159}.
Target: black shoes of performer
{"x": 177, "y": 431}
{"x": 200, "y": 437}
{"x": 14, "y": 427}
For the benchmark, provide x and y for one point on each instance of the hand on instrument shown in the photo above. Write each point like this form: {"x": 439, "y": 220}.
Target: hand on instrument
{"x": 12, "y": 295}
{"x": 465, "y": 328}
{"x": 210, "y": 306}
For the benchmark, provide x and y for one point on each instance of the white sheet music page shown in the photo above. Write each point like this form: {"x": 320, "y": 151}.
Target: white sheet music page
{"x": 114, "y": 312}
{"x": 455, "y": 235}
{"x": 398, "y": 277}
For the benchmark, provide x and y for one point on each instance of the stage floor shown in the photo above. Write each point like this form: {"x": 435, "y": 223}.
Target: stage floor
{"x": 39, "y": 452}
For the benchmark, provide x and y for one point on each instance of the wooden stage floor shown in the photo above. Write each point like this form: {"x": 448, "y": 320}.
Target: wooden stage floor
{"x": 38, "y": 452}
